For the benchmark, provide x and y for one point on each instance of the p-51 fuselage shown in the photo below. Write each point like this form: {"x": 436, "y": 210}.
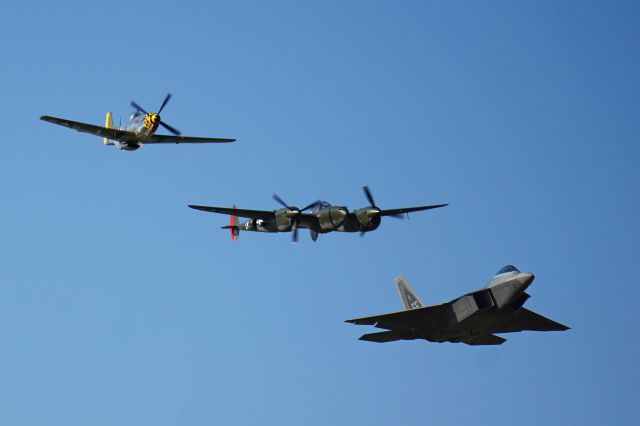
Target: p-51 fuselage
{"x": 142, "y": 125}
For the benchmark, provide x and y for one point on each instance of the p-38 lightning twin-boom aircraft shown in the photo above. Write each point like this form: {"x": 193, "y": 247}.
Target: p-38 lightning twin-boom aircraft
{"x": 322, "y": 218}
{"x": 139, "y": 130}
{"x": 472, "y": 319}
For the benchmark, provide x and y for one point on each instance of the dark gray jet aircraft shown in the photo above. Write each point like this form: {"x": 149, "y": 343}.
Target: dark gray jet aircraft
{"x": 471, "y": 319}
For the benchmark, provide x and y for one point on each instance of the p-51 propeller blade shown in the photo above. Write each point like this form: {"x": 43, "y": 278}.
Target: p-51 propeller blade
{"x": 162, "y": 123}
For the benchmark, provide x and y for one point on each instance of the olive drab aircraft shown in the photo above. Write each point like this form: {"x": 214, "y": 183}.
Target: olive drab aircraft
{"x": 472, "y": 319}
{"x": 321, "y": 218}
{"x": 138, "y": 131}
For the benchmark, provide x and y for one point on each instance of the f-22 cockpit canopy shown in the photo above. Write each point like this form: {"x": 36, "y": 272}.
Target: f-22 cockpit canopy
{"x": 507, "y": 268}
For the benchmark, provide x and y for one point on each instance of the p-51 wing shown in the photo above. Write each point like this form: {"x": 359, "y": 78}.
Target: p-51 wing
{"x": 113, "y": 134}
{"x": 396, "y": 212}
{"x": 184, "y": 139}
{"x": 126, "y": 136}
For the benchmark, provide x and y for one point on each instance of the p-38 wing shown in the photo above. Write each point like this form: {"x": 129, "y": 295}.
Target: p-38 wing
{"x": 127, "y": 136}
{"x": 251, "y": 214}
{"x": 403, "y": 210}
{"x": 269, "y": 214}
{"x": 305, "y": 220}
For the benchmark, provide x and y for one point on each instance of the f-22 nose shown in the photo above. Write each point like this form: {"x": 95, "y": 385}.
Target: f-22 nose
{"x": 525, "y": 278}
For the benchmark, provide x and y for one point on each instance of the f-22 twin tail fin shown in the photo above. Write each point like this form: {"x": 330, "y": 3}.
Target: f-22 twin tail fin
{"x": 409, "y": 298}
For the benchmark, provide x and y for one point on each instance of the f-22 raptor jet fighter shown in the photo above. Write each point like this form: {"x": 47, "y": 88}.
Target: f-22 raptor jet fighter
{"x": 472, "y": 319}
{"x": 138, "y": 131}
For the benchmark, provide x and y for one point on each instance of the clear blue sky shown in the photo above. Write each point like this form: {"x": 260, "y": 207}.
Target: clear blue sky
{"x": 121, "y": 306}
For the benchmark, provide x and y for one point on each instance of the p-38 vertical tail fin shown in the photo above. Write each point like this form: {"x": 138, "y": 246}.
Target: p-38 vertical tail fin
{"x": 234, "y": 222}
{"x": 409, "y": 298}
{"x": 233, "y": 226}
{"x": 108, "y": 123}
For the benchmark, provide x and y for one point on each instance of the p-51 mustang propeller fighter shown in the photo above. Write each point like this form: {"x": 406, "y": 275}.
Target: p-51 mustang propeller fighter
{"x": 322, "y": 218}
{"x": 139, "y": 130}
{"x": 472, "y": 319}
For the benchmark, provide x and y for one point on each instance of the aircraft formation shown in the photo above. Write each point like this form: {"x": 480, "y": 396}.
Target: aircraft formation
{"x": 473, "y": 318}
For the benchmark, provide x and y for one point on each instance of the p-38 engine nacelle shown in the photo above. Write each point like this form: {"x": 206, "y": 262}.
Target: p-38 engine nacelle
{"x": 332, "y": 217}
{"x": 368, "y": 217}
{"x": 284, "y": 219}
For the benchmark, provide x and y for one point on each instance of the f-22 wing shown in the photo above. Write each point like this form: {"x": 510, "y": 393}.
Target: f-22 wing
{"x": 401, "y": 324}
{"x": 525, "y": 319}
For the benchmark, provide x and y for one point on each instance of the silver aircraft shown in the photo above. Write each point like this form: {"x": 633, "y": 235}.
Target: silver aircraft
{"x": 138, "y": 131}
{"x": 472, "y": 319}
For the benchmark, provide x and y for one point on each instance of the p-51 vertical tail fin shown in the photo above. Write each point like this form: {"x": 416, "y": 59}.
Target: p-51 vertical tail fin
{"x": 108, "y": 123}
{"x": 409, "y": 298}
